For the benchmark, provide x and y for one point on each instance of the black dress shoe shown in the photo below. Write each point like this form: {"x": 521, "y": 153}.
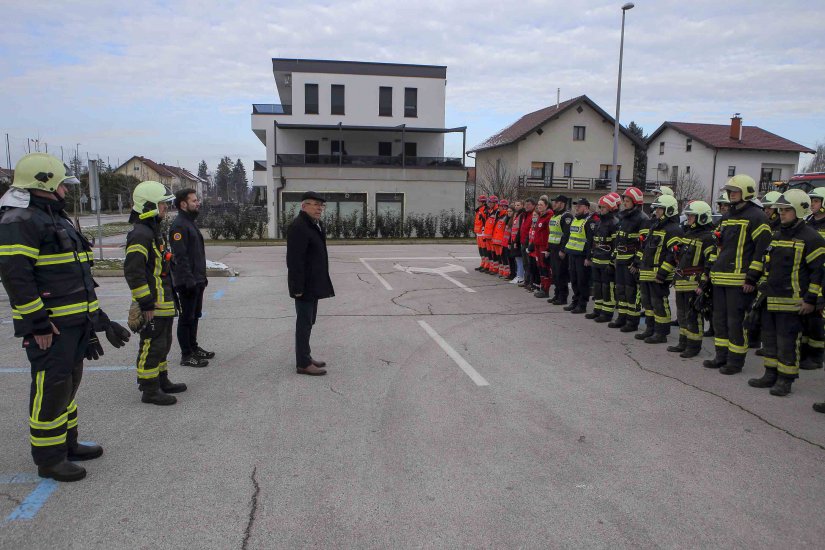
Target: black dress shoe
{"x": 319, "y": 364}
{"x": 62, "y": 471}
{"x": 84, "y": 452}
{"x": 311, "y": 370}
{"x": 201, "y": 353}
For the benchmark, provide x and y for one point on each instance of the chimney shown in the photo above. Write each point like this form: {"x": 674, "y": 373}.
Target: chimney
{"x": 736, "y": 127}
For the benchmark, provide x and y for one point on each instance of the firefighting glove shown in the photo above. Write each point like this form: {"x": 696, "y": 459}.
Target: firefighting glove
{"x": 94, "y": 350}
{"x": 117, "y": 335}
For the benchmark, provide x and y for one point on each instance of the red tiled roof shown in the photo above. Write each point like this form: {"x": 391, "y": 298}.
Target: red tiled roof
{"x": 532, "y": 121}
{"x": 182, "y": 173}
{"x": 717, "y": 136}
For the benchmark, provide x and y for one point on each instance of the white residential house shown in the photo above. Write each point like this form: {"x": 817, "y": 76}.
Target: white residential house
{"x": 566, "y": 148}
{"x": 366, "y": 135}
{"x": 712, "y": 153}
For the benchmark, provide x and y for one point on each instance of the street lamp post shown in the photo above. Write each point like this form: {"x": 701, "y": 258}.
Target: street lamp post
{"x": 614, "y": 184}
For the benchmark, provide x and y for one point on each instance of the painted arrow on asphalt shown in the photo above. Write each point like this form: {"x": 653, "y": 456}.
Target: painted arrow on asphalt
{"x": 442, "y": 271}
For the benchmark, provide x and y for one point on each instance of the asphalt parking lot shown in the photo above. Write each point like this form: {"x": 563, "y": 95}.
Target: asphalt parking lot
{"x": 458, "y": 411}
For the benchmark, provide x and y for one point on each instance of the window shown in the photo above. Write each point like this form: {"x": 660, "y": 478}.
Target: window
{"x": 384, "y": 148}
{"x": 311, "y": 99}
{"x": 411, "y": 102}
{"x": 578, "y": 133}
{"x": 674, "y": 174}
{"x": 337, "y": 100}
{"x": 341, "y": 204}
{"x": 537, "y": 170}
{"x": 604, "y": 171}
{"x": 137, "y": 167}
{"x": 389, "y": 204}
{"x": 688, "y": 144}
{"x": 770, "y": 174}
{"x": 336, "y": 147}
{"x": 410, "y": 149}
{"x": 687, "y": 169}
{"x": 661, "y": 147}
{"x": 731, "y": 171}
{"x": 568, "y": 169}
{"x": 311, "y": 151}
{"x": 384, "y": 101}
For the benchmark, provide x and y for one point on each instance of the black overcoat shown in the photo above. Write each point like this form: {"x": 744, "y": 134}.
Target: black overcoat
{"x": 306, "y": 260}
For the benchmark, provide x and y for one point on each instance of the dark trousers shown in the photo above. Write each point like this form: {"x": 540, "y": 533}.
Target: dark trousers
{"x": 781, "y": 337}
{"x": 533, "y": 270}
{"x": 561, "y": 273}
{"x": 56, "y": 374}
{"x": 306, "y": 311}
{"x": 691, "y": 324}
{"x": 813, "y": 339}
{"x": 511, "y": 258}
{"x": 604, "y": 290}
{"x": 153, "y": 350}
{"x": 658, "y": 296}
{"x": 191, "y": 304}
{"x": 730, "y": 340}
{"x": 579, "y": 279}
{"x": 627, "y": 294}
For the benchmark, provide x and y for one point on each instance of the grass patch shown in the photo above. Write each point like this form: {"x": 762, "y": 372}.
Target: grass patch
{"x": 109, "y": 229}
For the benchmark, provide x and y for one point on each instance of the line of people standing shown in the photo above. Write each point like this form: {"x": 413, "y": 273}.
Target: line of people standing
{"x": 755, "y": 273}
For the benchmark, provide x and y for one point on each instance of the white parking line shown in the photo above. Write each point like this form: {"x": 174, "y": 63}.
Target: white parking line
{"x": 387, "y": 285}
{"x": 374, "y": 272}
{"x": 454, "y": 355}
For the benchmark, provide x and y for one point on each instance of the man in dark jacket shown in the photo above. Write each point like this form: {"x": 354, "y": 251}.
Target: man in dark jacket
{"x": 308, "y": 276}
{"x": 189, "y": 276}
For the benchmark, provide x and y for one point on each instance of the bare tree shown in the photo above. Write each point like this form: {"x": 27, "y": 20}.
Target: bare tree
{"x": 817, "y": 164}
{"x": 688, "y": 188}
{"x": 497, "y": 179}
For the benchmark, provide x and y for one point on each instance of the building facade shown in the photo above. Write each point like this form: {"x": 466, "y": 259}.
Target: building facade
{"x": 566, "y": 148}
{"x": 367, "y": 135}
{"x": 173, "y": 177}
{"x": 706, "y": 155}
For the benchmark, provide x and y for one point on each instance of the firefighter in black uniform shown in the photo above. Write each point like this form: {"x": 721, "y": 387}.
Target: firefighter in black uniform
{"x": 744, "y": 236}
{"x": 632, "y": 220}
{"x": 692, "y": 259}
{"x": 45, "y": 265}
{"x": 770, "y": 211}
{"x": 813, "y": 325}
{"x": 559, "y": 234}
{"x": 601, "y": 256}
{"x": 189, "y": 276}
{"x": 657, "y": 267}
{"x": 793, "y": 279}
{"x": 146, "y": 269}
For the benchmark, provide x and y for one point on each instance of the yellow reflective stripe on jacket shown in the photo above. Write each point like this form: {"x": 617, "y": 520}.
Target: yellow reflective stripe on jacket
{"x": 138, "y": 248}
{"x": 71, "y": 309}
{"x": 759, "y": 230}
{"x": 140, "y": 292}
{"x": 815, "y": 254}
{"x": 64, "y": 258}
{"x": 21, "y": 249}
{"x": 56, "y": 423}
{"x": 31, "y": 307}
{"x": 556, "y": 231}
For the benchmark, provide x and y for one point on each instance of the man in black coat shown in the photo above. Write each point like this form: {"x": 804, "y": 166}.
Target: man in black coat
{"x": 189, "y": 276}
{"x": 308, "y": 276}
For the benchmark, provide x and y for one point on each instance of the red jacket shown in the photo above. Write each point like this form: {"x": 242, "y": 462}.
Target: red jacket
{"x": 542, "y": 233}
{"x": 490, "y": 224}
{"x": 524, "y": 228}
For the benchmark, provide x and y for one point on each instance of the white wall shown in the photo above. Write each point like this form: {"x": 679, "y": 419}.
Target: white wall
{"x": 358, "y": 143}
{"x": 751, "y": 163}
{"x": 361, "y": 100}
{"x": 699, "y": 158}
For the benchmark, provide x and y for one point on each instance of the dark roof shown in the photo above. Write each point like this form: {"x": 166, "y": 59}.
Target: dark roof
{"x": 259, "y": 166}
{"x": 164, "y": 170}
{"x": 6, "y": 173}
{"x": 717, "y": 136}
{"x": 182, "y": 173}
{"x": 357, "y": 67}
{"x": 532, "y": 121}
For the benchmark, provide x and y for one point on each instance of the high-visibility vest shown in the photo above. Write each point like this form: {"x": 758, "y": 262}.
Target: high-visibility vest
{"x": 578, "y": 238}
{"x": 478, "y": 225}
{"x": 556, "y": 231}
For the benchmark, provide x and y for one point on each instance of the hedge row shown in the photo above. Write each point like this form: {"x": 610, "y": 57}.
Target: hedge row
{"x": 389, "y": 226}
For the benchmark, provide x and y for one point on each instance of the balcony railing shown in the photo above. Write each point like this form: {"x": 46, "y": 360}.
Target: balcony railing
{"x": 573, "y": 184}
{"x": 369, "y": 161}
{"x": 271, "y": 109}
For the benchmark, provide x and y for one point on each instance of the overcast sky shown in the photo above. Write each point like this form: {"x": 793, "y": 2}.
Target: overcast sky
{"x": 175, "y": 80}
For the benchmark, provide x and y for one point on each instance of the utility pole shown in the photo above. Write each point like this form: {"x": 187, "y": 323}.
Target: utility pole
{"x": 8, "y": 152}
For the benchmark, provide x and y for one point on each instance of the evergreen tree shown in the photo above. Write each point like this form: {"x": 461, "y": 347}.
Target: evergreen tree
{"x": 223, "y": 177}
{"x": 239, "y": 182}
{"x": 640, "y": 158}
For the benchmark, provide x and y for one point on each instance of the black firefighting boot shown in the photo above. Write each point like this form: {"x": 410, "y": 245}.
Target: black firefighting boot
{"x": 540, "y": 293}
{"x": 734, "y": 364}
{"x": 62, "y": 471}
{"x": 692, "y": 349}
{"x": 718, "y": 361}
{"x": 819, "y": 407}
{"x": 157, "y": 397}
{"x": 572, "y": 305}
{"x": 648, "y": 332}
{"x": 579, "y": 309}
{"x": 559, "y": 300}
{"x": 620, "y": 321}
{"x": 681, "y": 346}
{"x": 767, "y": 381}
{"x": 593, "y": 314}
{"x": 167, "y": 386}
{"x": 782, "y": 386}
{"x": 81, "y": 452}
{"x": 656, "y": 338}
{"x": 632, "y": 324}
{"x": 811, "y": 358}
{"x": 604, "y": 317}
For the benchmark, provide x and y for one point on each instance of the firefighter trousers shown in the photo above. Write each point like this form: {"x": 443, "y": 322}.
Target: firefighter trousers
{"x": 155, "y": 343}
{"x": 781, "y": 339}
{"x": 813, "y": 340}
{"x": 604, "y": 290}
{"x": 56, "y": 374}
{"x": 561, "y": 274}
{"x": 691, "y": 323}
{"x": 627, "y": 294}
{"x": 729, "y": 306}
{"x": 579, "y": 279}
{"x": 656, "y": 300}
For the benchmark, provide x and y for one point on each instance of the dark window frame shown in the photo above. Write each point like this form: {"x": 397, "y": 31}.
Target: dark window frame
{"x": 333, "y": 107}
{"x": 307, "y": 88}
{"x": 308, "y": 157}
{"x": 384, "y": 110}
{"x": 688, "y": 145}
{"x": 391, "y": 198}
{"x": 414, "y": 145}
{"x": 661, "y": 147}
{"x": 386, "y": 144}
{"x": 731, "y": 171}
{"x": 410, "y": 107}
{"x": 579, "y": 133}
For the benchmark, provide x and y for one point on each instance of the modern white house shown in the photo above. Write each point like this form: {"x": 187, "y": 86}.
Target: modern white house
{"x": 712, "y": 153}
{"x": 365, "y": 135}
{"x": 567, "y": 148}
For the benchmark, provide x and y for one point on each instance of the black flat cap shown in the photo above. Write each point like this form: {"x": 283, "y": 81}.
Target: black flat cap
{"x": 583, "y": 201}
{"x": 560, "y": 198}
{"x": 312, "y": 195}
